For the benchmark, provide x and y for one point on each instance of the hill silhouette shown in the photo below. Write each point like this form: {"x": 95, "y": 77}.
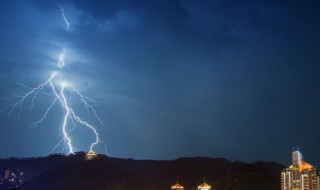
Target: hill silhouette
{"x": 59, "y": 172}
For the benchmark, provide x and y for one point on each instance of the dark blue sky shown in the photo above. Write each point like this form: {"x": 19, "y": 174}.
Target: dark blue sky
{"x": 233, "y": 79}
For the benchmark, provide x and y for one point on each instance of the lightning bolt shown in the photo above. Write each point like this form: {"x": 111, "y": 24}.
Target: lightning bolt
{"x": 58, "y": 87}
{"x": 61, "y": 61}
{"x": 64, "y": 17}
{"x": 70, "y": 115}
{"x": 34, "y": 92}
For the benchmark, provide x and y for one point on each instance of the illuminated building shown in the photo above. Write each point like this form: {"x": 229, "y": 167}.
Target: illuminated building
{"x": 7, "y": 174}
{"x": 177, "y": 187}
{"x": 13, "y": 178}
{"x": 91, "y": 155}
{"x": 300, "y": 175}
{"x": 205, "y": 186}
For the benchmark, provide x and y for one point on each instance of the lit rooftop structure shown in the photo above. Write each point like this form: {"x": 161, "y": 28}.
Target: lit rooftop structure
{"x": 205, "y": 186}
{"x": 91, "y": 155}
{"x": 177, "y": 187}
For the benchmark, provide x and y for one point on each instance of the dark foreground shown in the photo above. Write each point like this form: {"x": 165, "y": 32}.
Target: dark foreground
{"x": 58, "y": 172}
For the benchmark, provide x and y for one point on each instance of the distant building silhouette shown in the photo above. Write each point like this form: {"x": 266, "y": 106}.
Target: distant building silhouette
{"x": 300, "y": 175}
{"x": 1, "y": 181}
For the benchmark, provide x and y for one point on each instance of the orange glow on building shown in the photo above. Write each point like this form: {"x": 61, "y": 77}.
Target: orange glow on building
{"x": 177, "y": 187}
{"x": 205, "y": 186}
{"x": 91, "y": 155}
{"x": 300, "y": 175}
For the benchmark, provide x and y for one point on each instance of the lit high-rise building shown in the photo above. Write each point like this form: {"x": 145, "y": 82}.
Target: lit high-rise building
{"x": 300, "y": 175}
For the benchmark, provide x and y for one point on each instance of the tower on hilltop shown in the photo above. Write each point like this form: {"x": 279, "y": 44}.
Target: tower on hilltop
{"x": 91, "y": 155}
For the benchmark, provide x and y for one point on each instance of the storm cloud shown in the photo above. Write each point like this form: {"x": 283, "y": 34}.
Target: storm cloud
{"x": 178, "y": 78}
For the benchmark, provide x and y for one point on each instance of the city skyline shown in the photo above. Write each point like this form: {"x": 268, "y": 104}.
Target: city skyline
{"x": 176, "y": 78}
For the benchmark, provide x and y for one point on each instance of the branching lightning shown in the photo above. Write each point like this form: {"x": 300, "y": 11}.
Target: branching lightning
{"x": 61, "y": 61}
{"x": 64, "y": 17}
{"x": 57, "y": 88}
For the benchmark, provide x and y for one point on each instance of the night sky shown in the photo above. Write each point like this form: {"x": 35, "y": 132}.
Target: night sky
{"x": 232, "y": 79}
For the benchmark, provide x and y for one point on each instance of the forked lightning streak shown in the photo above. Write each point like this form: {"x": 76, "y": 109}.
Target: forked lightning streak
{"x": 57, "y": 87}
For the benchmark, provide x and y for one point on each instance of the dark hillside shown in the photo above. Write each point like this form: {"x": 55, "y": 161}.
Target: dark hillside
{"x": 74, "y": 172}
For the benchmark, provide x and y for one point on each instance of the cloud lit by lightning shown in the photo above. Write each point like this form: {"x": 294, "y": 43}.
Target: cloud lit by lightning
{"x": 57, "y": 87}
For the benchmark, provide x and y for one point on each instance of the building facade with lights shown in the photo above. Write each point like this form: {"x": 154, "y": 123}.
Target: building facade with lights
{"x": 13, "y": 178}
{"x": 300, "y": 175}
